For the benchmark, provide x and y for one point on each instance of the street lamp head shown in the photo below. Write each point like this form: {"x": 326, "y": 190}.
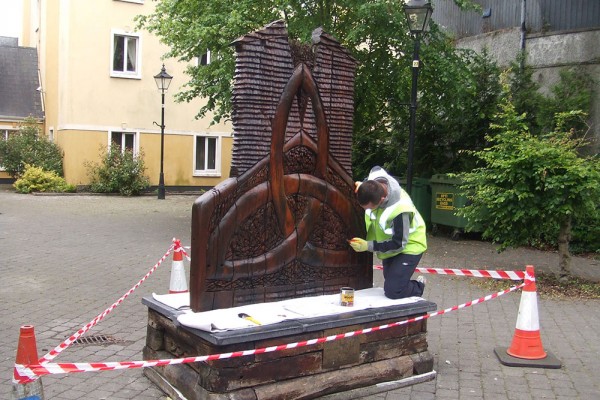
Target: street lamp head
{"x": 418, "y": 14}
{"x": 163, "y": 79}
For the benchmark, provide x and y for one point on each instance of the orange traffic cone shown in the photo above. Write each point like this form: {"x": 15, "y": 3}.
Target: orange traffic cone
{"x": 178, "y": 282}
{"x": 29, "y": 388}
{"x": 526, "y": 348}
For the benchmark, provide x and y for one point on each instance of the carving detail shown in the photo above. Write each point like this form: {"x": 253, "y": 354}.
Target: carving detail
{"x": 278, "y": 227}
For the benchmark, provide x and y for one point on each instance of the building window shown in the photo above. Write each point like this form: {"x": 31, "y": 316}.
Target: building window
{"x": 126, "y": 55}
{"x": 4, "y": 135}
{"x": 124, "y": 140}
{"x": 207, "y": 156}
{"x": 204, "y": 59}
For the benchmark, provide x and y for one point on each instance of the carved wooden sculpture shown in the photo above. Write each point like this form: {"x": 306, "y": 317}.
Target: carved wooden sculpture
{"x": 277, "y": 228}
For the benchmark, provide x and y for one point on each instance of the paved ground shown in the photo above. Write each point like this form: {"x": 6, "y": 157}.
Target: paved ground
{"x": 64, "y": 259}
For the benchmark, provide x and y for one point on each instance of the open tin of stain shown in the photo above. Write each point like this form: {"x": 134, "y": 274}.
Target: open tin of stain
{"x": 347, "y": 296}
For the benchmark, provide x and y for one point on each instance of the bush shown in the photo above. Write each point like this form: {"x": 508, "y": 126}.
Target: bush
{"x": 529, "y": 185}
{"x": 531, "y": 189}
{"x": 119, "y": 172}
{"x": 35, "y": 179}
{"x": 29, "y": 147}
{"x": 586, "y": 234}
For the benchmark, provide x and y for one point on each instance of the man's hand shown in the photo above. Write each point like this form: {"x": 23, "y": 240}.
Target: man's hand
{"x": 356, "y": 186}
{"x": 358, "y": 244}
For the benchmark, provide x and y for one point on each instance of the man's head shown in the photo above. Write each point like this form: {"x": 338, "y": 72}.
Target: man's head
{"x": 370, "y": 194}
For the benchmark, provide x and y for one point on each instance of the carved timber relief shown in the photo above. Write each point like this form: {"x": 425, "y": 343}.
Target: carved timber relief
{"x": 277, "y": 228}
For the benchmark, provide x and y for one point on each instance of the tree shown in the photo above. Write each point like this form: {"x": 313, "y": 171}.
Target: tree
{"x": 461, "y": 100}
{"x": 374, "y": 31}
{"x": 572, "y": 92}
{"x": 525, "y": 92}
{"x": 531, "y": 187}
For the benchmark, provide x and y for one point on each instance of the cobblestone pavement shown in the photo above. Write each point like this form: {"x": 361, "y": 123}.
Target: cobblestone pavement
{"x": 65, "y": 259}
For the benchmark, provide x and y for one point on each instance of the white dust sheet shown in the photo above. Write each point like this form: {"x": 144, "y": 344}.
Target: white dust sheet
{"x": 272, "y": 313}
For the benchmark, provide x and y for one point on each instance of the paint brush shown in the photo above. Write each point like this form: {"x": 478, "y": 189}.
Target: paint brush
{"x": 249, "y": 318}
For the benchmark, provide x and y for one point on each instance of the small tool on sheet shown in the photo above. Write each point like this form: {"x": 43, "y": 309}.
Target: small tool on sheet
{"x": 249, "y": 318}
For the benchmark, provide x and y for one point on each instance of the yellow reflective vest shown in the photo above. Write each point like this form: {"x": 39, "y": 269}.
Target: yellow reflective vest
{"x": 379, "y": 223}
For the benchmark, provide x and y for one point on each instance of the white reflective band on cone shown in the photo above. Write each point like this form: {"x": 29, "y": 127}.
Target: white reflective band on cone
{"x": 178, "y": 281}
{"x": 527, "y": 319}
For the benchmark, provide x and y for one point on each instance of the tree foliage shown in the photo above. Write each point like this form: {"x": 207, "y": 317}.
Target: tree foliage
{"x": 573, "y": 91}
{"x": 531, "y": 187}
{"x": 461, "y": 100}
{"x": 376, "y": 34}
{"x": 539, "y": 111}
{"x": 28, "y": 146}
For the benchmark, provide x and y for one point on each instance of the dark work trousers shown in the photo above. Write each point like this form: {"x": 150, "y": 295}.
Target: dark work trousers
{"x": 397, "y": 271}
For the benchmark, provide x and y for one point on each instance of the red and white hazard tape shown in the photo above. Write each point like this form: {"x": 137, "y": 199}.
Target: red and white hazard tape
{"x": 58, "y": 349}
{"x": 187, "y": 256}
{"x": 477, "y": 273}
{"x": 28, "y": 373}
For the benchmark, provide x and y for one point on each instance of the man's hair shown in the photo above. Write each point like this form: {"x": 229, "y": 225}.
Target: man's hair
{"x": 370, "y": 192}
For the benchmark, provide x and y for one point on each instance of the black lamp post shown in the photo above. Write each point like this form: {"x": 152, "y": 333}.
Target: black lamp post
{"x": 418, "y": 13}
{"x": 163, "y": 80}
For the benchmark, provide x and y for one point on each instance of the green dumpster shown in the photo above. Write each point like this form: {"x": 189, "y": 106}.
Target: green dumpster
{"x": 421, "y": 196}
{"x": 446, "y": 198}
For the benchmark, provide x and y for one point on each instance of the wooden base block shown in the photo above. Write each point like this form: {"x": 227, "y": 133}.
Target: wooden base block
{"x": 350, "y": 365}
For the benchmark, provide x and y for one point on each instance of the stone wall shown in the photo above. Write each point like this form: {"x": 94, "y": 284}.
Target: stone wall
{"x": 548, "y": 54}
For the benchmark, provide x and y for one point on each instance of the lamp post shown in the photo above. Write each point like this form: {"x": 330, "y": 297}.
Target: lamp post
{"x": 163, "y": 80}
{"x": 418, "y": 13}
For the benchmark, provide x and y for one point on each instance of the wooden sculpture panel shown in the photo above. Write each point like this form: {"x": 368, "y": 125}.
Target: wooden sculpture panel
{"x": 278, "y": 227}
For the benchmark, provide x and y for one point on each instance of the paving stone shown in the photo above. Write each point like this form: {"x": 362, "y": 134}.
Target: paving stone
{"x": 537, "y": 393}
{"x": 519, "y": 395}
{"x": 445, "y": 394}
{"x": 565, "y": 392}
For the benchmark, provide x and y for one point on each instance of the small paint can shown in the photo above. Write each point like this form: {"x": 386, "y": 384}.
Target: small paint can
{"x": 347, "y": 297}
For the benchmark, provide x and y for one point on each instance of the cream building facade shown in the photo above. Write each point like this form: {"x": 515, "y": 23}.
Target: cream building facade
{"x": 98, "y": 89}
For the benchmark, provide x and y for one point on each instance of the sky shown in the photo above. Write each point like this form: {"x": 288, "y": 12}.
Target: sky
{"x": 10, "y": 17}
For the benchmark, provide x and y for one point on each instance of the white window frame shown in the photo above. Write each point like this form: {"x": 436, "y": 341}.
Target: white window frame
{"x": 208, "y": 59}
{"x": 208, "y": 172}
{"x": 4, "y": 136}
{"x": 5, "y": 132}
{"x": 136, "y": 139}
{"x": 137, "y": 74}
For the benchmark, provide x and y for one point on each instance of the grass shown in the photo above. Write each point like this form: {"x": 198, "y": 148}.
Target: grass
{"x": 548, "y": 287}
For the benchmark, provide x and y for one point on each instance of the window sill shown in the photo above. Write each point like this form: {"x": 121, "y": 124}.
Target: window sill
{"x": 207, "y": 174}
{"x": 125, "y": 76}
{"x": 132, "y": 1}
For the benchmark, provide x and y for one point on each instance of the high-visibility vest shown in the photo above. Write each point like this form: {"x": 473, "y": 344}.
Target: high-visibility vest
{"x": 379, "y": 223}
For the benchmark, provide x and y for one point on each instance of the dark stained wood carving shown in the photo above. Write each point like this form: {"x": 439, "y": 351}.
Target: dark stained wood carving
{"x": 277, "y": 228}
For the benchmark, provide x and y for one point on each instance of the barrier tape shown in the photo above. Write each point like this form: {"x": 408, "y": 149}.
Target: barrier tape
{"x": 28, "y": 373}
{"x": 182, "y": 249}
{"x": 58, "y": 349}
{"x": 477, "y": 273}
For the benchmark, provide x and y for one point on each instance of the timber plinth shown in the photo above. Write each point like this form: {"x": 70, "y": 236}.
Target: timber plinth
{"x": 390, "y": 355}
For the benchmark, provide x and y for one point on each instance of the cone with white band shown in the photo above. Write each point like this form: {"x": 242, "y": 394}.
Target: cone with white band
{"x": 527, "y": 341}
{"x": 526, "y": 348}
{"x": 178, "y": 282}
{"x": 27, "y": 387}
